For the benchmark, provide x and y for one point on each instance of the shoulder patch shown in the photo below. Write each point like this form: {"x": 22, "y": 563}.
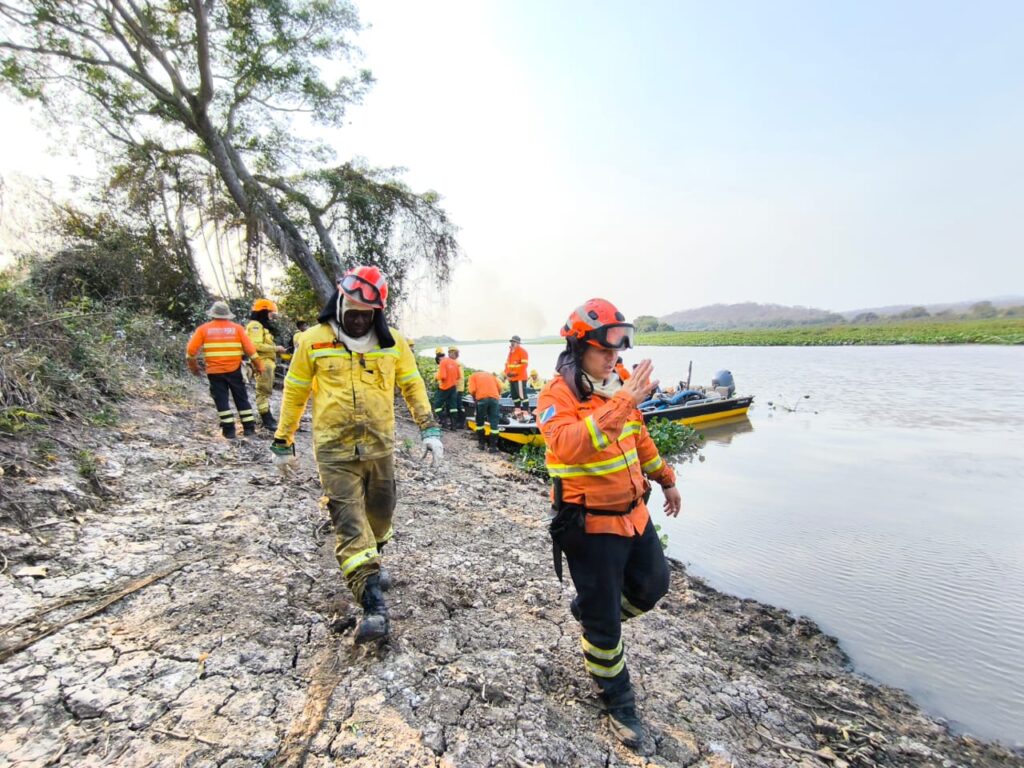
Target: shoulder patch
{"x": 326, "y": 345}
{"x": 546, "y": 415}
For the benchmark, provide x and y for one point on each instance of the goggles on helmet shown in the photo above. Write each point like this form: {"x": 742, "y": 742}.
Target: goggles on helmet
{"x": 614, "y": 336}
{"x": 361, "y": 290}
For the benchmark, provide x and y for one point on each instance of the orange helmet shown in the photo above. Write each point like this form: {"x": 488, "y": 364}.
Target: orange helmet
{"x": 365, "y": 285}
{"x": 600, "y": 324}
{"x": 264, "y": 304}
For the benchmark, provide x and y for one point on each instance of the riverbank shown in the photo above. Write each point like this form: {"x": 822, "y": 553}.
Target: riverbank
{"x": 1002, "y": 330}
{"x": 198, "y": 618}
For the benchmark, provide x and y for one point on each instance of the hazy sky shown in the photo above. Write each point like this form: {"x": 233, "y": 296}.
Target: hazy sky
{"x": 668, "y": 154}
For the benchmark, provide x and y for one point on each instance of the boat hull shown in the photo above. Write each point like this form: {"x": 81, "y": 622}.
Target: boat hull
{"x": 688, "y": 414}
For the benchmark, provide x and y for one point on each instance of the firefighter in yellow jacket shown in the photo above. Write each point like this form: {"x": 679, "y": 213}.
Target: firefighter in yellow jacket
{"x": 261, "y": 330}
{"x": 353, "y": 361}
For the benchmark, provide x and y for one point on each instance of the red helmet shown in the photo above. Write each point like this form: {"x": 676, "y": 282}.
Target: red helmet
{"x": 365, "y": 285}
{"x": 600, "y": 324}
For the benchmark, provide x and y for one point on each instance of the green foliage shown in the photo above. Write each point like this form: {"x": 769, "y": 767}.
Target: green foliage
{"x": 108, "y": 260}
{"x": 984, "y": 309}
{"x": 200, "y": 104}
{"x": 296, "y": 297}
{"x": 530, "y": 458}
{"x": 662, "y": 537}
{"x": 86, "y": 464}
{"x": 67, "y": 362}
{"x": 650, "y": 324}
{"x": 1000, "y": 330}
{"x": 672, "y": 439}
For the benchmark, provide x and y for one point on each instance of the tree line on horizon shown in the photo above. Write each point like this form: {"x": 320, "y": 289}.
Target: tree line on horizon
{"x": 751, "y": 315}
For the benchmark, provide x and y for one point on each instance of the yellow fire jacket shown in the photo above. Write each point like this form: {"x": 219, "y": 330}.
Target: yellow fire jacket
{"x": 266, "y": 347}
{"x": 353, "y": 395}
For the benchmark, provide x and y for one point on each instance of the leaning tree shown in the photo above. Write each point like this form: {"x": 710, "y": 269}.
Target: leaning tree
{"x": 226, "y": 88}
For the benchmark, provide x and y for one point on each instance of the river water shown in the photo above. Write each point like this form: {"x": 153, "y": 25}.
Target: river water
{"x": 882, "y": 495}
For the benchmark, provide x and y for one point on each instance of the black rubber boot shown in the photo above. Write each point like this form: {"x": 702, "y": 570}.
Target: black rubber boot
{"x": 620, "y": 706}
{"x": 494, "y": 445}
{"x": 228, "y": 430}
{"x": 481, "y": 439}
{"x": 374, "y": 624}
{"x": 248, "y": 428}
{"x": 574, "y": 608}
{"x": 269, "y": 422}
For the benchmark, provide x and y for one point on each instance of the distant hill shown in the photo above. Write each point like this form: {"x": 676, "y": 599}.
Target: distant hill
{"x": 747, "y": 315}
{"x": 957, "y": 307}
{"x": 434, "y": 341}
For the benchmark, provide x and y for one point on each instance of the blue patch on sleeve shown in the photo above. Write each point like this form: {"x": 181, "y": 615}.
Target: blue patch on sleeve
{"x": 546, "y": 414}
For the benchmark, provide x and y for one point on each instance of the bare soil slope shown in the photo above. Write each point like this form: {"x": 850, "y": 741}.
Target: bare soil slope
{"x": 192, "y": 615}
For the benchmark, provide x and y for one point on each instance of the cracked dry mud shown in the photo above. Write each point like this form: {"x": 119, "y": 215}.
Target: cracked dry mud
{"x": 227, "y": 637}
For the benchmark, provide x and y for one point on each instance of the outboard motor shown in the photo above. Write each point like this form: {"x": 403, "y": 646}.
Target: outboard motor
{"x": 723, "y": 380}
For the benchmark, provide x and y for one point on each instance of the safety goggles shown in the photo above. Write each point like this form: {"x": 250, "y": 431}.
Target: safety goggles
{"x": 361, "y": 290}
{"x": 614, "y": 336}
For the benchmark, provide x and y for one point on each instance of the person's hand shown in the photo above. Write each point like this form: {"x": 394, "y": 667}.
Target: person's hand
{"x": 281, "y": 350}
{"x": 673, "y": 501}
{"x": 257, "y": 364}
{"x": 284, "y": 456}
{"x": 639, "y": 386}
{"x": 433, "y": 445}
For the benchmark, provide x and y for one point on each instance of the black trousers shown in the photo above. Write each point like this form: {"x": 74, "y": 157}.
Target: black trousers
{"x": 616, "y": 578}
{"x": 221, "y": 386}
{"x": 519, "y": 393}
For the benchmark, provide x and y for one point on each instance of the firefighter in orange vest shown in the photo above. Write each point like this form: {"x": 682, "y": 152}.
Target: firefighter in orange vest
{"x": 486, "y": 391}
{"x": 446, "y": 403}
{"x": 222, "y": 344}
{"x": 600, "y": 456}
{"x": 516, "y": 366}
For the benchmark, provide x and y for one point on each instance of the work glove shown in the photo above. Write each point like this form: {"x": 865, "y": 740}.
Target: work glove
{"x": 284, "y": 456}
{"x": 432, "y": 444}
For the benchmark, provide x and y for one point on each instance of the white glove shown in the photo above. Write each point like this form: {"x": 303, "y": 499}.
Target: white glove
{"x": 284, "y": 458}
{"x": 435, "y": 447}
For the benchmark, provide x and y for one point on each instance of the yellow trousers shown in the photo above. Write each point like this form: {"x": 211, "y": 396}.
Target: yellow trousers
{"x": 360, "y": 497}
{"x": 265, "y": 386}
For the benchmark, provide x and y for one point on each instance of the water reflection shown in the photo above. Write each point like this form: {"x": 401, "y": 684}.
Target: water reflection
{"x": 723, "y": 432}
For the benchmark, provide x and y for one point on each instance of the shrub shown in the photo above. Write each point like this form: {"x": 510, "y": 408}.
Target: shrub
{"x": 674, "y": 439}
{"x": 530, "y": 458}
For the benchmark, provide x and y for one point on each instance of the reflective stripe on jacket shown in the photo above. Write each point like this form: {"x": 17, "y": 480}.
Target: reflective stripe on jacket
{"x": 266, "y": 347}
{"x": 517, "y": 364}
{"x": 354, "y": 401}
{"x": 601, "y": 450}
{"x": 222, "y": 343}
{"x": 483, "y": 385}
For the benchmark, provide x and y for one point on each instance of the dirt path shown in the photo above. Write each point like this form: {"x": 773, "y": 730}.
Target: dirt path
{"x": 192, "y": 615}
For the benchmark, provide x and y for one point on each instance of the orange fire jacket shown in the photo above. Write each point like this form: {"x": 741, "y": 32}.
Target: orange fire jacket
{"x": 621, "y": 370}
{"x": 517, "y": 364}
{"x": 448, "y": 373}
{"x": 222, "y": 343}
{"x": 483, "y": 385}
{"x": 601, "y": 450}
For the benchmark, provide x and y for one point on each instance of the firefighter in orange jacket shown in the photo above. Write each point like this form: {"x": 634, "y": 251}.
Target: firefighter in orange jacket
{"x": 485, "y": 389}
{"x": 516, "y": 366}
{"x": 620, "y": 369}
{"x": 446, "y": 403}
{"x": 599, "y": 456}
{"x": 222, "y": 344}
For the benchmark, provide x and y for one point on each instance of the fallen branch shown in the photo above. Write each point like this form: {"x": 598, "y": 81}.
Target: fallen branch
{"x": 8, "y": 651}
{"x": 5, "y": 562}
{"x": 795, "y": 747}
